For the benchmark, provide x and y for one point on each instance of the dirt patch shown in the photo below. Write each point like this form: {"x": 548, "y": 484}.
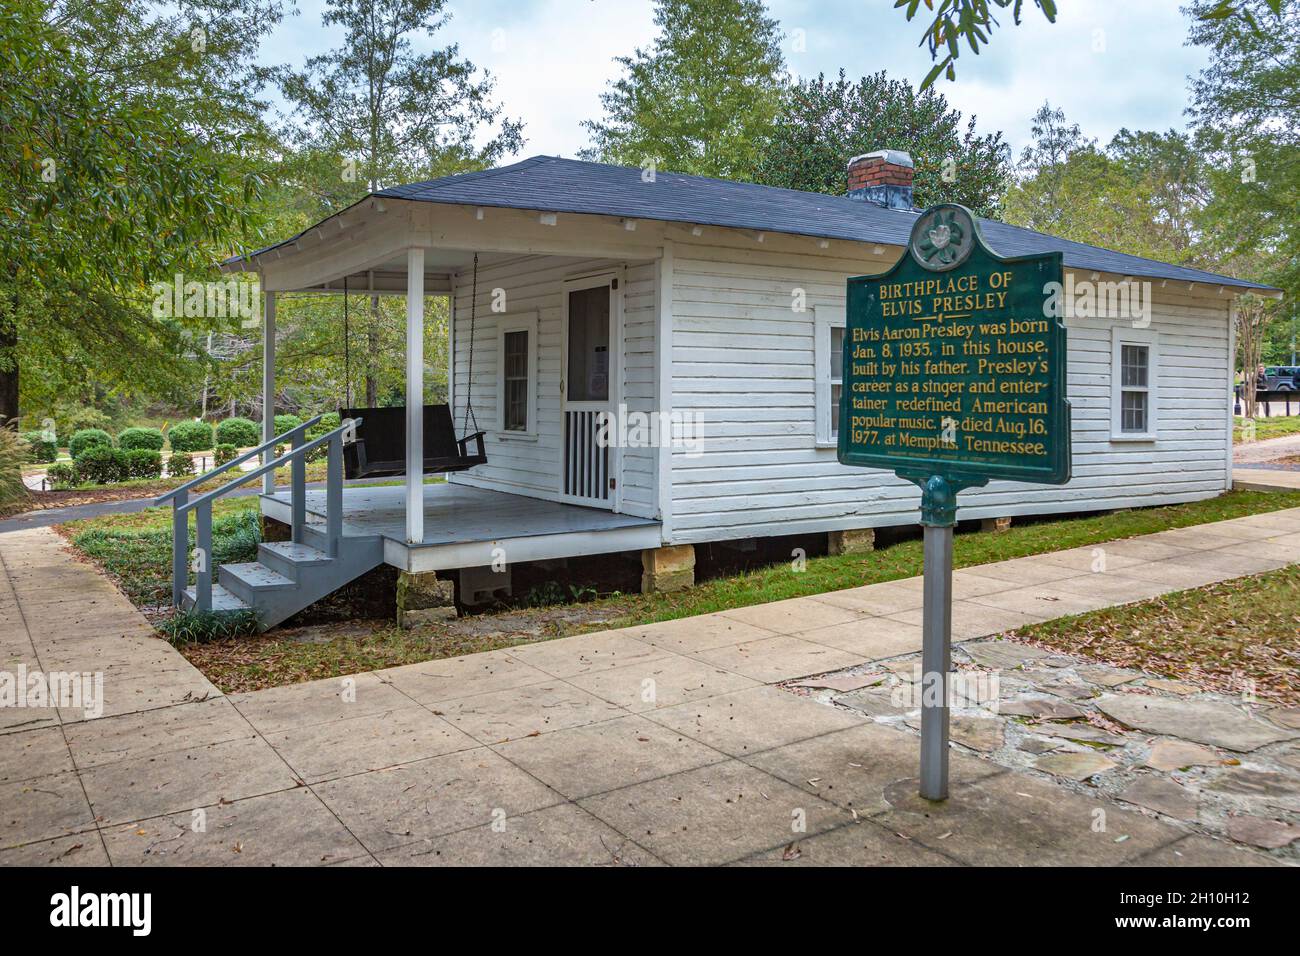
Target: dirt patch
{"x": 291, "y": 655}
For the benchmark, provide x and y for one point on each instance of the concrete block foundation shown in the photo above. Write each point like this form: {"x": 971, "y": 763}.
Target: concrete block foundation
{"x": 853, "y": 541}
{"x": 668, "y": 569}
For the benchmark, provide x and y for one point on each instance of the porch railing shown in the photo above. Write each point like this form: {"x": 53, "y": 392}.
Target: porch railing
{"x": 296, "y": 458}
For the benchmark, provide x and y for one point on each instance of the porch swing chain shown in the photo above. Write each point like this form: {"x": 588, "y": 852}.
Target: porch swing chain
{"x": 469, "y": 369}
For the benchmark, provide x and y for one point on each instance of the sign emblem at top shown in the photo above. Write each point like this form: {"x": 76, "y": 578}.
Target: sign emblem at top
{"x": 942, "y": 238}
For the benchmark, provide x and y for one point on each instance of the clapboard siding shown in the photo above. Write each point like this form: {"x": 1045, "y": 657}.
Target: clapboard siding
{"x": 534, "y": 284}
{"x": 743, "y": 358}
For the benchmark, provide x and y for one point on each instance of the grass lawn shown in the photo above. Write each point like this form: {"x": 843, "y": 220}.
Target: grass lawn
{"x": 150, "y": 488}
{"x": 1219, "y": 637}
{"x": 136, "y": 551}
{"x": 1275, "y": 427}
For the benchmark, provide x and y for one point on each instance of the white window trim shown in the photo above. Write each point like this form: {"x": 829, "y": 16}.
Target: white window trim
{"x": 517, "y": 322}
{"x": 1121, "y": 336}
{"x": 825, "y": 318}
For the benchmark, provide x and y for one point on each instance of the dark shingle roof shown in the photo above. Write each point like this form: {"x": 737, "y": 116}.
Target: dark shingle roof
{"x": 552, "y": 184}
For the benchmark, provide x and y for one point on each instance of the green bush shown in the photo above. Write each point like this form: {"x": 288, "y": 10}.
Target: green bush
{"x": 102, "y": 465}
{"x": 87, "y": 437}
{"x": 133, "y": 438}
{"x": 13, "y": 455}
{"x": 239, "y": 432}
{"x": 224, "y": 452}
{"x": 190, "y": 436}
{"x": 180, "y": 465}
{"x": 143, "y": 463}
{"x": 41, "y": 447}
{"x": 284, "y": 422}
{"x": 62, "y": 476}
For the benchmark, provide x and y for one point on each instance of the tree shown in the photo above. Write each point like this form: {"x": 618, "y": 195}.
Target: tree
{"x": 120, "y": 163}
{"x": 374, "y": 112}
{"x": 703, "y": 99}
{"x": 1145, "y": 193}
{"x": 826, "y": 122}
{"x": 1244, "y": 108}
{"x": 969, "y": 20}
{"x": 1252, "y": 317}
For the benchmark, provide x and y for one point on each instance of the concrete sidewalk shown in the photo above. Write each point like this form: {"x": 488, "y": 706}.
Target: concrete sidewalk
{"x": 1265, "y": 479}
{"x": 658, "y": 744}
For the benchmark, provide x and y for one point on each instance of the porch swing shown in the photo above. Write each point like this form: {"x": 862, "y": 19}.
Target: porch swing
{"x": 379, "y": 450}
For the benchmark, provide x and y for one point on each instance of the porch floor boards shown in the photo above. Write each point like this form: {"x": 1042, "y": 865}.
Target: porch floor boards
{"x": 459, "y": 514}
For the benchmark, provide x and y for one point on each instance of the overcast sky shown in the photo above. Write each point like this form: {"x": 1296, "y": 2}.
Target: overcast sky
{"x": 1107, "y": 63}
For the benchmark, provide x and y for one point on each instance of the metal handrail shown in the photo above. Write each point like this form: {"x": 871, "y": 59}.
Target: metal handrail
{"x": 296, "y": 457}
{"x": 183, "y": 490}
{"x": 289, "y": 456}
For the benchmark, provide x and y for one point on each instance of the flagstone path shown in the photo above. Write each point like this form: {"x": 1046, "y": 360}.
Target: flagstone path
{"x": 684, "y": 742}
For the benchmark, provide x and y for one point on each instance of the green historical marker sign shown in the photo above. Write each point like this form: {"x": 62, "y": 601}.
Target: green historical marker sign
{"x": 954, "y": 362}
{"x": 953, "y": 374}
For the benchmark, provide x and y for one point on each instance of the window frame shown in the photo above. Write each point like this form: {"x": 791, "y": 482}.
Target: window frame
{"x": 507, "y": 323}
{"x": 825, "y": 318}
{"x": 1149, "y": 340}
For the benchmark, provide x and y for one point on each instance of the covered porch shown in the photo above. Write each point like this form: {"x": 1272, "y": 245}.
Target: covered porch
{"x": 466, "y": 527}
{"x": 553, "y": 320}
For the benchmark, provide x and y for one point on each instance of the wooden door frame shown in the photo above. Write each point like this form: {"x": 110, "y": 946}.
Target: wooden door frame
{"x": 605, "y": 278}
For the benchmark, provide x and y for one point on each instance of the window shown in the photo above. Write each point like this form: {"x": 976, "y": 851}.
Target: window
{"x": 828, "y": 361}
{"x": 837, "y": 378}
{"x": 516, "y": 381}
{"x": 1133, "y": 385}
{"x": 517, "y": 376}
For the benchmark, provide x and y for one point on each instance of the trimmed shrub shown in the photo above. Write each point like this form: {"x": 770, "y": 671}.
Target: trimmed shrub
{"x": 224, "y": 452}
{"x": 62, "y": 476}
{"x": 143, "y": 463}
{"x": 83, "y": 439}
{"x": 133, "y": 438}
{"x": 41, "y": 447}
{"x": 284, "y": 422}
{"x": 190, "y": 436}
{"x": 239, "y": 432}
{"x": 102, "y": 465}
{"x": 180, "y": 465}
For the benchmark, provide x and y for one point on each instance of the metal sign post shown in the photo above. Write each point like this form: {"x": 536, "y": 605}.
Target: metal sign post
{"x": 954, "y": 373}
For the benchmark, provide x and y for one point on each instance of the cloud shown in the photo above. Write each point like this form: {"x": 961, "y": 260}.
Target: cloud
{"x": 1108, "y": 65}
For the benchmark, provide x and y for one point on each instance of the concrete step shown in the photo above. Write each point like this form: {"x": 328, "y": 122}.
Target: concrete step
{"x": 290, "y": 559}
{"x": 250, "y": 580}
{"x": 222, "y": 600}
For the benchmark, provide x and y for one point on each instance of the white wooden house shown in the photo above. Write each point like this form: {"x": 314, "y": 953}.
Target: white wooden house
{"x": 719, "y": 305}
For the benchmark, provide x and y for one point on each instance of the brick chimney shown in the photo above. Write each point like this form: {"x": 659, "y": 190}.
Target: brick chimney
{"x": 883, "y": 177}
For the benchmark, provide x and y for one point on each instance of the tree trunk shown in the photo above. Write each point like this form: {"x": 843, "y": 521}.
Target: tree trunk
{"x": 9, "y": 374}
{"x": 9, "y": 354}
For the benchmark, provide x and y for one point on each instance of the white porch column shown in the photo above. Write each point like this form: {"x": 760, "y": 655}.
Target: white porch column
{"x": 268, "y": 386}
{"x": 415, "y": 395}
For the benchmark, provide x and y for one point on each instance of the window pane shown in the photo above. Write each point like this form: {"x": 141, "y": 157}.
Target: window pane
{"x": 835, "y": 410}
{"x": 515, "y": 413}
{"x": 837, "y": 354}
{"x": 1133, "y": 360}
{"x": 1133, "y": 412}
{"x": 588, "y": 373}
